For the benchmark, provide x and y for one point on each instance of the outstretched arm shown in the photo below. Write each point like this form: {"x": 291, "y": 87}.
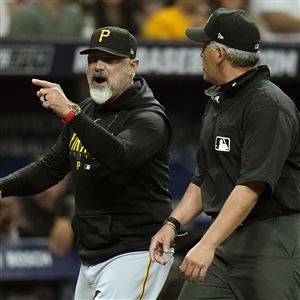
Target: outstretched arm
{"x": 145, "y": 133}
{"x": 30, "y": 180}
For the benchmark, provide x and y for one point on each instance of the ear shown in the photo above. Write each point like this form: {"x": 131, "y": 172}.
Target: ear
{"x": 221, "y": 54}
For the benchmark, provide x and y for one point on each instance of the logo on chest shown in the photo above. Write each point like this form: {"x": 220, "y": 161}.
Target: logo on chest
{"x": 222, "y": 144}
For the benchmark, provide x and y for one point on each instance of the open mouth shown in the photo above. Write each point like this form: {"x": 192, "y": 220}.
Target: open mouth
{"x": 99, "y": 79}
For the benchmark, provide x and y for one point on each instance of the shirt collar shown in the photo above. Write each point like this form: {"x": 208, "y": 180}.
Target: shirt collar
{"x": 215, "y": 92}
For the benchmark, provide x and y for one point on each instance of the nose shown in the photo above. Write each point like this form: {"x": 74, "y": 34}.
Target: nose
{"x": 100, "y": 65}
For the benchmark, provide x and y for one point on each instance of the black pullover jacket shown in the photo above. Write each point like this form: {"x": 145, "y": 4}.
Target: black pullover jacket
{"x": 118, "y": 154}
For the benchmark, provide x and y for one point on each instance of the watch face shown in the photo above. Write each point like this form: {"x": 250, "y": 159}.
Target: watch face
{"x": 75, "y": 108}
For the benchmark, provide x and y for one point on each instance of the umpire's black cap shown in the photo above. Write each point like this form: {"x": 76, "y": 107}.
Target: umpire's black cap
{"x": 232, "y": 28}
{"x": 115, "y": 40}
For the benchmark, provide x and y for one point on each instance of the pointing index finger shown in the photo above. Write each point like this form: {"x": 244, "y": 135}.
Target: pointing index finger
{"x": 43, "y": 83}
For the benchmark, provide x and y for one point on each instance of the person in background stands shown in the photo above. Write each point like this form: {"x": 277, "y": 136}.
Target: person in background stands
{"x": 147, "y": 8}
{"x": 247, "y": 177}
{"x": 231, "y": 4}
{"x": 9, "y": 216}
{"x": 47, "y": 19}
{"x": 7, "y": 9}
{"x": 279, "y": 20}
{"x": 170, "y": 23}
{"x": 119, "y": 13}
{"x": 116, "y": 144}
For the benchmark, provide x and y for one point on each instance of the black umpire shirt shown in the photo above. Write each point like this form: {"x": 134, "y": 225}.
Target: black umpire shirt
{"x": 250, "y": 131}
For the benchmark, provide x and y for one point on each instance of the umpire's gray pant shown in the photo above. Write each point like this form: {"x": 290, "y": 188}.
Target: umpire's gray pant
{"x": 259, "y": 261}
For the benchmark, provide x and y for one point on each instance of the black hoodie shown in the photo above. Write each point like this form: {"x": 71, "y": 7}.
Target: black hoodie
{"x": 118, "y": 154}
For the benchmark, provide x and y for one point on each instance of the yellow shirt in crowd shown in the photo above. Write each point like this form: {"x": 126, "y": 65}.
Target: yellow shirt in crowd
{"x": 169, "y": 23}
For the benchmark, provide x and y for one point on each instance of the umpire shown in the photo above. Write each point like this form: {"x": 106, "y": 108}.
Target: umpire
{"x": 116, "y": 144}
{"x": 247, "y": 177}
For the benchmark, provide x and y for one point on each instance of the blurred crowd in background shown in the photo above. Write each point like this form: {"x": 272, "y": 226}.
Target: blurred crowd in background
{"x": 166, "y": 20}
{"x": 279, "y": 20}
{"x": 49, "y": 214}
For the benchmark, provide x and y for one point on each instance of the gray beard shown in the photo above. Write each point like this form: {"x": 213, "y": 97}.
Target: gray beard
{"x": 101, "y": 96}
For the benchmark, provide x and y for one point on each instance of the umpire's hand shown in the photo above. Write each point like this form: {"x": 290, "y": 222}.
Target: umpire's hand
{"x": 52, "y": 97}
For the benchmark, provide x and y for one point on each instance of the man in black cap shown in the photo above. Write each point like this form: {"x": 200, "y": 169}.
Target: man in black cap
{"x": 247, "y": 177}
{"x": 116, "y": 146}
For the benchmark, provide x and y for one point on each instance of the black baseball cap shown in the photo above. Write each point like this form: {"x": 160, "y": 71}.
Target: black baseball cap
{"x": 232, "y": 28}
{"x": 114, "y": 40}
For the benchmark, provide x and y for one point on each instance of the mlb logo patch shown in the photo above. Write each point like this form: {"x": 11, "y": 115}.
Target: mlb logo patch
{"x": 222, "y": 144}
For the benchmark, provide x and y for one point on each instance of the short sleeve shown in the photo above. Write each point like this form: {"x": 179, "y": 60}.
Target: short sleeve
{"x": 267, "y": 142}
